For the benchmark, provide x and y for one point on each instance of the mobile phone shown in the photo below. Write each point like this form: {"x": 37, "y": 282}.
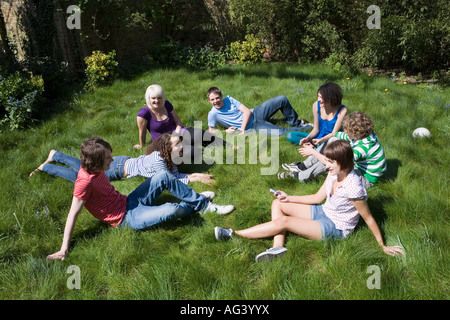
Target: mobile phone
{"x": 310, "y": 140}
{"x": 276, "y": 194}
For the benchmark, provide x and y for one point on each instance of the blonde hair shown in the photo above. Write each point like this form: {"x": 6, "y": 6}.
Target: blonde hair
{"x": 358, "y": 125}
{"x": 154, "y": 90}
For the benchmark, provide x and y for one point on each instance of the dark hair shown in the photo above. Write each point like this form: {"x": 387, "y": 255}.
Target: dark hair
{"x": 163, "y": 146}
{"x": 358, "y": 125}
{"x": 342, "y": 153}
{"x": 92, "y": 155}
{"x": 331, "y": 92}
{"x": 213, "y": 90}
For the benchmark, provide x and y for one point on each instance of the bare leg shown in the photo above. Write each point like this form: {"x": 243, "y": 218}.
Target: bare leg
{"x": 291, "y": 217}
{"x": 49, "y": 159}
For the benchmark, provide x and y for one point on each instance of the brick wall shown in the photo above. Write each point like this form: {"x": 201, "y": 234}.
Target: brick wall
{"x": 72, "y": 45}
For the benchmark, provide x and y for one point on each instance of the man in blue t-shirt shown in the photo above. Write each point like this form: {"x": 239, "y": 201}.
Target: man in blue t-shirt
{"x": 234, "y": 116}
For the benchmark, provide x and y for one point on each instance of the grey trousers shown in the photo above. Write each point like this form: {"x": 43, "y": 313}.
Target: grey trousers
{"x": 314, "y": 167}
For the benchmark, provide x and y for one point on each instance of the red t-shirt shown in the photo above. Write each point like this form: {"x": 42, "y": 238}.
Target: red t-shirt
{"x": 103, "y": 201}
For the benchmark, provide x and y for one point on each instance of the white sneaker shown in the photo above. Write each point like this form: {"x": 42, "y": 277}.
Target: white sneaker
{"x": 222, "y": 234}
{"x": 270, "y": 254}
{"x": 210, "y": 195}
{"x": 294, "y": 167}
{"x": 212, "y": 207}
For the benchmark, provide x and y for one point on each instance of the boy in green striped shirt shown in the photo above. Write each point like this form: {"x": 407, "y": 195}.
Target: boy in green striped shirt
{"x": 369, "y": 157}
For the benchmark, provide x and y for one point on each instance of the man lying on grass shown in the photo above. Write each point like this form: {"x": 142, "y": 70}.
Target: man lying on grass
{"x": 235, "y": 117}
{"x": 346, "y": 200}
{"x": 94, "y": 191}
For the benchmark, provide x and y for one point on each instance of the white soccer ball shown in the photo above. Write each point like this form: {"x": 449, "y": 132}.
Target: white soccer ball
{"x": 421, "y": 133}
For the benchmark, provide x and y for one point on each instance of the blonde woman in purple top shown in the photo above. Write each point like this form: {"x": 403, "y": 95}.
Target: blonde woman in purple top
{"x": 159, "y": 117}
{"x": 346, "y": 200}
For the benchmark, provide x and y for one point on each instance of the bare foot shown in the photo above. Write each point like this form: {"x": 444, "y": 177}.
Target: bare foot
{"x": 50, "y": 156}
{"x": 49, "y": 159}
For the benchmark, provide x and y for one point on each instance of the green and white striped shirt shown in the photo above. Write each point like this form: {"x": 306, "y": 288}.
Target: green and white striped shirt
{"x": 368, "y": 155}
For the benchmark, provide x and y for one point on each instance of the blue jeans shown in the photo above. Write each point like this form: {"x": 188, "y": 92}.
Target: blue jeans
{"x": 263, "y": 112}
{"x": 141, "y": 211}
{"x": 115, "y": 171}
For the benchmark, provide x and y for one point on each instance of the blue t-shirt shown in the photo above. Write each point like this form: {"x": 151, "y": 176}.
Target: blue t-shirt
{"x": 227, "y": 116}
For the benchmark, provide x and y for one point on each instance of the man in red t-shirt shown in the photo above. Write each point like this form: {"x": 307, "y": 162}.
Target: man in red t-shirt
{"x": 94, "y": 191}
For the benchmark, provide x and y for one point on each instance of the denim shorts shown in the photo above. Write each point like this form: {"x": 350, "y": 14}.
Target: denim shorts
{"x": 327, "y": 227}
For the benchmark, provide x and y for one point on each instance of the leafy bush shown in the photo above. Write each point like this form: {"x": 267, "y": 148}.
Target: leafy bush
{"x": 101, "y": 69}
{"x": 248, "y": 51}
{"x": 53, "y": 72}
{"x": 425, "y": 45}
{"x": 402, "y": 43}
{"x": 337, "y": 61}
{"x": 380, "y": 48}
{"x": 196, "y": 57}
{"x": 20, "y": 96}
{"x": 295, "y": 29}
{"x": 414, "y": 34}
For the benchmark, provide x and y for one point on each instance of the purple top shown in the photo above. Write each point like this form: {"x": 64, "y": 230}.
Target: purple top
{"x": 155, "y": 127}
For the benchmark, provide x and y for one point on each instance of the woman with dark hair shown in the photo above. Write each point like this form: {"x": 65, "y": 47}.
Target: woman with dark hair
{"x": 328, "y": 112}
{"x": 346, "y": 200}
{"x": 158, "y": 157}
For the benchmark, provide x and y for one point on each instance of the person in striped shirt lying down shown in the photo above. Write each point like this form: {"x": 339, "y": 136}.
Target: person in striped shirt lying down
{"x": 94, "y": 191}
{"x": 369, "y": 157}
{"x": 157, "y": 157}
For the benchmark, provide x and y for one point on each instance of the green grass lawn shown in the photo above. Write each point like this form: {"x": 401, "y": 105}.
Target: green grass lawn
{"x": 181, "y": 259}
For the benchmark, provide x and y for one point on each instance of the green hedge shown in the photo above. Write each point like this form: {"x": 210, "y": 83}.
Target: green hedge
{"x": 414, "y": 34}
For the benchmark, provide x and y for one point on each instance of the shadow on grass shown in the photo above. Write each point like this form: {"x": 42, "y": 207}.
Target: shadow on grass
{"x": 89, "y": 233}
{"x": 376, "y": 206}
{"x": 280, "y": 71}
{"x": 194, "y": 219}
{"x": 392, "y": 170}
{"x": 194, "y": 168}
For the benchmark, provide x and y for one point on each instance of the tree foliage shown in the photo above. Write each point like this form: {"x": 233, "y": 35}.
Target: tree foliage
{"x": 414, "y": 34}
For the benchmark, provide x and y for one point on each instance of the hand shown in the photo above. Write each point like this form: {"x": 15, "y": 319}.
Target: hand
{"x": 282, "y": 196}
{"x": 307, "y": 150}
{"x": 393, "y": 250}
{"x": 317, "y": 141}
{"x": 137, "y": 146}
{"x": 202, "y": 177}
{"x": 231, "y": 130}
{"x": 303, "y": 141}
{"x": 60, "y": 255}
{"x": 207, "y": 179}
